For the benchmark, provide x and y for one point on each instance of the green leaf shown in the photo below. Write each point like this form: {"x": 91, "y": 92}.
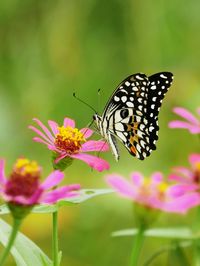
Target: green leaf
{"x": 173, "y": 233}
{"x": 85, "y": 194}
{"x": 177, "y": 255}
{"x": 24, "y": 251}
{"x": 164, "y": 249}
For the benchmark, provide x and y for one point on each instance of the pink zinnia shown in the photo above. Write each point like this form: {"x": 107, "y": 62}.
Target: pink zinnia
{"x": 188, "y": 175}
{"x": 192, "y": 123}
{"x": 154, "y": 192}
{"x": 23, "y": 186}
{"x": 68, "y": 141}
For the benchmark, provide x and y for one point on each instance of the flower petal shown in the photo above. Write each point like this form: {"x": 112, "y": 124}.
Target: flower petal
{"x": 52, "y": 180}
{"x": 184, "y": 171}
{"x": 93, "y": 161}
{"x": 95, "y": 145}
{"x": 194, "y": 159}
{"x": 44, "y": 128}
{"x": 37, "y": 139}
{"x": 179, "y": 124}
{"x": 69, "y": 122}
{"x": 121, "y": 185}
{"x": 157, "y": 177}
{"x": 180, "y": 189}
{"x": 137, "y": 178}
{"x": 61, "y": 193}
{"x": 182, "y": 204}
{"x": 178, "y": 178}
{"x": 3, "y": 180}
{"x": 40, "y": 134}
{"x": 87, "y": 132}
{"x": 186, "y": 114}
{"x": 54, "y": 126}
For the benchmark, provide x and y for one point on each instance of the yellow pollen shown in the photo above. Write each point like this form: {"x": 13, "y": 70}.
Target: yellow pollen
{"x": 25, "y": 166}
{"x": 72, "y": 134}
{"x": 69, "y": 139}
{"x": 198, "y": 166}
{"x": 162, "y": 187}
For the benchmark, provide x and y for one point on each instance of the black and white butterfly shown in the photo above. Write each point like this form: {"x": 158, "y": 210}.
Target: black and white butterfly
{"x": 131, "y": 114}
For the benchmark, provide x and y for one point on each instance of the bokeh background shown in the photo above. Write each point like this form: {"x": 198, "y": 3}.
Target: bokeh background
{"x": 48, "y": 50}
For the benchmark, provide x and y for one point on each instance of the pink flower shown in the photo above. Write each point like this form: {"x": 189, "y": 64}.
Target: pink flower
{"x": 69, "y": 142}
{"x": 192, "y": 123}
{"x": 154, "y": 192}
{"x": 23, "y": 186}
{"x": 188, "y": 175}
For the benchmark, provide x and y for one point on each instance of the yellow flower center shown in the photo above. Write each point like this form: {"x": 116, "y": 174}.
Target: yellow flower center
{"x": 162, "y": 187}
{"x": 69, "y": 139}
{"x": 24, "y": 179}
{"x": 26, "y": 167}
{"x": 196, "y": 176}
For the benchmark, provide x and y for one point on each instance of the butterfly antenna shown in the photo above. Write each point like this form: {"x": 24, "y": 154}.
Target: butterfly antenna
{"x": 87, "y": 104}
{"x": 99, "y": 98}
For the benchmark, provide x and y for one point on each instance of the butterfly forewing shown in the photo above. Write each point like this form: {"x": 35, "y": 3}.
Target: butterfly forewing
{"x": 131, "y": 114}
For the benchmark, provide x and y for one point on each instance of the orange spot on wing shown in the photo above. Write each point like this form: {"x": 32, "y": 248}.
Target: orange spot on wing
{"x": 133, "y": 149}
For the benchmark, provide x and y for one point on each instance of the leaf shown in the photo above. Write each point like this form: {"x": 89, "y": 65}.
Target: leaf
{"x": 85, "y": 194}
{"x": 177, "y": 256}
{"x": 173, "y": 233}
{"x": 24, "y": 251}
{"x": 164, "y": 249}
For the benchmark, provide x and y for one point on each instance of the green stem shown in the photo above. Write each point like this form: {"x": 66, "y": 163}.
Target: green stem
{"x": 55, "y": 239}
{"x": 16, "y": 225}
{"x": 137, "y": 244}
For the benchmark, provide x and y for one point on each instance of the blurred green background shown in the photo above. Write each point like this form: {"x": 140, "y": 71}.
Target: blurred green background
{"x": 48, "y": 50}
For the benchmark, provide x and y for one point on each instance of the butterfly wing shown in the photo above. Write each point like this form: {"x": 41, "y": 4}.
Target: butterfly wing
{"x": 132, "y": 111}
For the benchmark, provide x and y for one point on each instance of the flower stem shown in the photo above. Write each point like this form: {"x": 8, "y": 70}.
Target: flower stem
{"x": 16, "y": 225}
{"x": 55, "y": 239}
{"x": 137, "y": 244}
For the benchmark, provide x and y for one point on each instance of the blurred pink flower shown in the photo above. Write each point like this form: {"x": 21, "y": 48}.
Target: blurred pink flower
{"x": 192, "y": 123}
{"x": 154, "y": 192}
{"x": 23, "y": 186}
{"x": 188, "y": 175}
{"x": 68, "y": 141}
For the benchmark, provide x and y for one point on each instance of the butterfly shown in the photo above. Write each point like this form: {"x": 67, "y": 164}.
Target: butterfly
{"x": 131, "y": 114}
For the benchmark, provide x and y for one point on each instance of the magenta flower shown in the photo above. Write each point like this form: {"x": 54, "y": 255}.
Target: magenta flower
{"x": 154, "y": 192}
{"x": 188, "y": 175}
{"x": 192, "y": 123}
{"x": 69, "y": 142}
{"x": 23, "y": 186}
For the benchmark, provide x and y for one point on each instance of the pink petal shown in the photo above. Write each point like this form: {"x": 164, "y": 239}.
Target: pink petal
{"x": 93, "y": 161}
{"x": 61, "y": 193}
{"x": 178, "y": 178}
{"x": 156, "y": 178}
{"x": 69, "y": 122}
{"x": 3, "y": 180}
{"x": 182, "y": 204}
{"x": 180, "y": 189}
{"x": 54, "y": 126}
{"x": 137, "y": 178}
{"x": 45, "y": 129}
{"x": 179, "y": 124}
{"x": 198, "y": 110}
{"x": 40, "y": 134}
{"x": 60, "y": 157}
{"x": 52, "y": 180}
{"x": 121, "y": 185}
{"x": 37, "y": 139}
{"x": 186, "y": 114}
{"x": 194, "y": 159}
{"x": 184, "y": 171}
{"x": 87, "y": 132}
{"x": 93, "y": 145}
